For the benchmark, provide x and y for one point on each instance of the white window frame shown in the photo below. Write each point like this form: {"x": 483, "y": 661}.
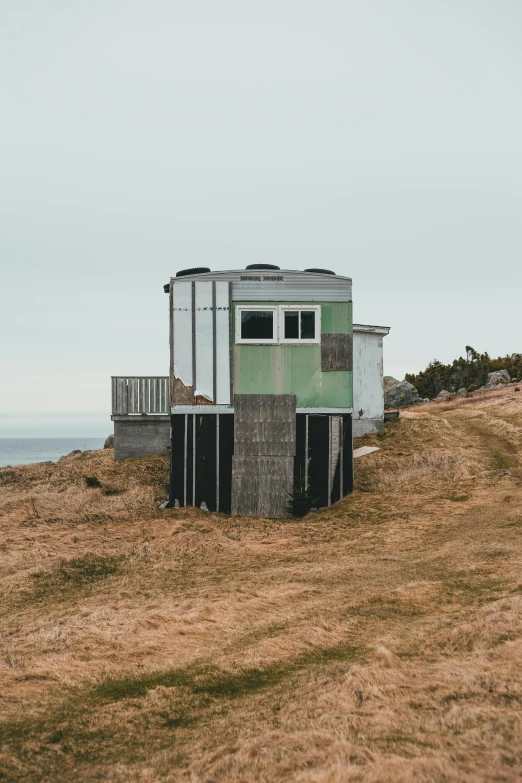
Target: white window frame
{"x": 279, "y": 324}
{"x": 299, "y": 308}
{"x": 248, "y": 308}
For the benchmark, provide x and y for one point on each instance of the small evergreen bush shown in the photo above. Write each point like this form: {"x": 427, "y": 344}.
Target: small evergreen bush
{"x": 300, "y": 499}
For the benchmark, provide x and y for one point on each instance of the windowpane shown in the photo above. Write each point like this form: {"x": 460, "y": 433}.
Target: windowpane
{"x": 257, "y": 325}
{"x": 307, "y": 324}
{"x": 291, "y": 325}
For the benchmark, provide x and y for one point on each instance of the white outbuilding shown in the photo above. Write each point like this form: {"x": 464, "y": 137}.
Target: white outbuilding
{"x": 368, "y": 393}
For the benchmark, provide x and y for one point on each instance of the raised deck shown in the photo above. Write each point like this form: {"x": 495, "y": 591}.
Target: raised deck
{"x": 141, "y": 415}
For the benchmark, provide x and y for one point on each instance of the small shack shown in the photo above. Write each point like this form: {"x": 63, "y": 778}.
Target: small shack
{"x": 261, "y": 389}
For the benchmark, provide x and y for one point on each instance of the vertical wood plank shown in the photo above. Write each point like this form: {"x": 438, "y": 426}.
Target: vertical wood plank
{"x": 141, "y": 395}
{"x": 132, "y": 386}
{"x": 118, "y": 396}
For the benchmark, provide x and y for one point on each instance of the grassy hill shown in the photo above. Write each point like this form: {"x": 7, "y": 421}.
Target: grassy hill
{"x": 379, "y": 640}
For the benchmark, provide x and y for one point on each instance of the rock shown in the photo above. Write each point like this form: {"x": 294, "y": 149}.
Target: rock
{"x": 165, "y": 504}
{"x": 48, "y": 462}
{"x": 176, "y": 504}
{"x": 70, "y": 454}
{"x": 109, "y": 443}
{"x": 204, "y": 506}
{"x": 444, "y": 395}
{"x": 498, "y": 378}
{"x": 462, "y": 392}
{"x": 398, "y": 394}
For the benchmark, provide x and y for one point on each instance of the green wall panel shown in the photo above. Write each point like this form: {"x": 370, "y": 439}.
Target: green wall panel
{"x": 296, "y": 369}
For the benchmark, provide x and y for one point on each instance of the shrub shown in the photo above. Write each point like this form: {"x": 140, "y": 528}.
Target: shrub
{"x": 471, "y": 372}
{"x": 92, "y": 482}
{"x": 300, "y": 499}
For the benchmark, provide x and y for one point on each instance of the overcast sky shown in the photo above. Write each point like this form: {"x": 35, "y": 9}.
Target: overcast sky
{"x": 378, "y": 138}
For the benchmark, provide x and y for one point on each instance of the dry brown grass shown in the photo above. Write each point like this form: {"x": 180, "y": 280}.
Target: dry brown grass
{"x": 377, "y": 641}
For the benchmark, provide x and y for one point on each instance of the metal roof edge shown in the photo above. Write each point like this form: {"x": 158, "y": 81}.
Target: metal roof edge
{"x": 371, "y": 329}
{"x": 267, "y": 272}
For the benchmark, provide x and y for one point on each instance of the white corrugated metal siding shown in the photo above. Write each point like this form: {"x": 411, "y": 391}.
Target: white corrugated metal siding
{"x": 204, "y": 330}
{"x": 182, "y": 303}
{"x": 222, "y": 344}
{"x": 194, "y": 319}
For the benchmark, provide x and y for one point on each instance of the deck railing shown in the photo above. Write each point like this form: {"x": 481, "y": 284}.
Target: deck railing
{"x": 135, "y": 395}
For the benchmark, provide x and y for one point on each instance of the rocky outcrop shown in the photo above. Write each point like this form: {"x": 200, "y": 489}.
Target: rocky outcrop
{"x": 498, "y": 378}
{"x": 443, "y": 395}
{"x": 70, "y": 454}
{"x": 398, "y": 394}
{"x": 109, "y": 443}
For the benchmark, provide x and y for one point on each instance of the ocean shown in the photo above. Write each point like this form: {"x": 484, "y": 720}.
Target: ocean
{"x": 24, "y": 451}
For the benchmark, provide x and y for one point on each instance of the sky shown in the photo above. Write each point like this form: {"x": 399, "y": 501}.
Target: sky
{"x": 378, "y": 139}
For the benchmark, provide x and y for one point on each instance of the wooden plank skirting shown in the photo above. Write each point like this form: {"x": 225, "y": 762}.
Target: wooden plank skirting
{"x": 264, "y": 450}
{"x": 261, "y": 486}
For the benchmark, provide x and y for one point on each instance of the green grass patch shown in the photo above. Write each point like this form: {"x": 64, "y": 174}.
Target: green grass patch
{"x": 214, "y": 682}
{"x": 480, "y": 590}
{"x": 78, "y": 573}
{"x": 76, "y": 726}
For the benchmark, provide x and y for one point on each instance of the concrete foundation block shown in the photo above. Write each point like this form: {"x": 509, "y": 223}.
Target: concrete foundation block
{"x": 141, "y": 436}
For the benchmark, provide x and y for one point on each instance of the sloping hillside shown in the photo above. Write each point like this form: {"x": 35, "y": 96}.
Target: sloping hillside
{"x": 380, "y": 640}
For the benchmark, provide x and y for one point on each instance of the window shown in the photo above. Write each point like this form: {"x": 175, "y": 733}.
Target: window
{"x": 256, "y": 324}
{"x": 299, "y": 325}
{"x": 295, "y": 324}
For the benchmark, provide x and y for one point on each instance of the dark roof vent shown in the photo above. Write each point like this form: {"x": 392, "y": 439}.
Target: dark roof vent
{"x": 197, "y": 270}
{"x": 321, "y": 271}
{"x": 262, "y": 266}
{"x": 166, "y": 288}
